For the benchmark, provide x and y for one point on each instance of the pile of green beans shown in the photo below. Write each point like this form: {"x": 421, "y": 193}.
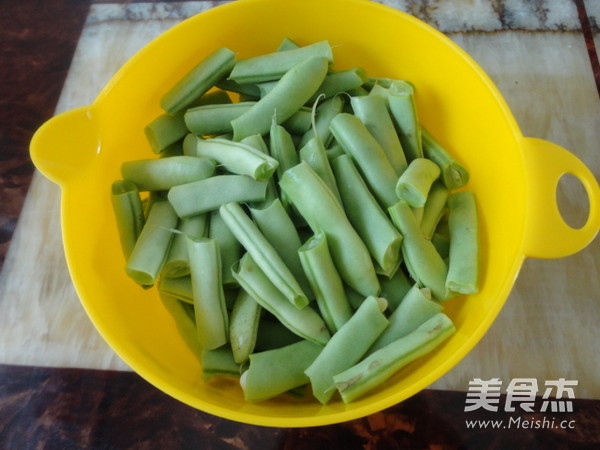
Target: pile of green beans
{"x": 301, "y": 225}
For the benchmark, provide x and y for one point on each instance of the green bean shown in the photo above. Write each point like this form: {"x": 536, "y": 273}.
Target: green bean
{"x": 414, "y": 310}
{"x": 229, "y": 247}
{"x": 313, "y": 153}
{"x": 464, "y": 247}
{"x": 219, "y": 362}
{"x": 249, "y": 89}
{"x": 236, "y": 157}
{"x": 152, "y": 246}
{"x": 356, "y": 140}
{"x": 287, "y": 44}
{"x": 243, "y": 326}
{"x": 354, "y": 298}
{"x": 395, "y": 288}
{"x": 325, "y": 282}
{"x": 266, "y": 257}
{"x": 334, "y": 151}
{"x": 273, "y": 334}
{"x": 292, "y": 91}
{"x": 344, "y": 349}
{"x": 366, "y": 216}
{"x": 381, "y": 365}
{"x": 304, "y": 322}
{"x": 373, "y": 113}
{"x": 165, "y": 130}
{"x": 164, "y": 173}
{"x": 454, "y": 174}
{"x": 434, "y": 208}
{"x": 325, "y": 112}
{"x": 282, "y": 148}
{"x": 422, "y": 260}
{"x": 184, "y": 322}
{"x": 212, "y": 320}
{"x": 129, "y": 213}
{"x": 273, "y": 66}
{"x": 404, "y": 113}
{"x": 319, "y": 207}
{"x": 277, "y": 227}
{"x": 172, "y": 150}
{"x": 208, "y": 120}
{"x": 300, "y": 121}
{"x": 415, "y": 182}
{"x": 198, "y": 81}
{"x": 357, "y": 92}
{"x": 340, "y": 81}
{"x": 177, "y": 262}
{"x": 216, "y": 97}
{"x": 256, "y": 141}
{"x": 179, "y": 287}
{"x": 274, "y": 372}
{"x": 209, "y": 194}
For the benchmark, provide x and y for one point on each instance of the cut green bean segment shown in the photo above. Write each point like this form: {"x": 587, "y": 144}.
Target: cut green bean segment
{"x": 274, "y": 372}
{"x": 199, "y": 80}
{"x": 325, "y": 282}
{"x": 216, "y": 97}
{"x": 434, "y": 208}
{"x": 238, "y": 158}
{"x": 401, "y": 102}
{"x": 321, "y": 210}
{"x": 395, "y": 288}
{"x": 345, "y": 349}
{"x": 279, "y": 229}
{"x": 354, "y": 298}
{"x": 243, "y": 326}
{"x": 422, "y": 260}
{"x": 266, "y": 257}
{"x": 229, "y": 247}
{"x": 287, "y": 44}
{"x": 414, "y": 310}
{"x": 415, "y": 182}
{"x": 356, "y": 140}
{"x": 374, "y": 370}
{"x": 163, "y": 173}
{"x": 441, "y": 242}
{"x": 184, "y": 322}
{"x": 291, "y": 92}
{"x": 304, "y": 322}
{"x": 373, "y": 112}
{"x": 165, "y": 130}
{"x": 282, "y": 148}
{"x": 177, "y": 263}
{"x": 324, "y": 114}
{"x": 334, "y": 151}
{"x": 300, "y": 121}
{"x": 214, "y": 119}
{"x": 209, "y": 194}
{"x": 313, "y": 153}
{"x": 454, "y": 174}
{"x": 129, "y": 213}
{"x": 273, "y": 334}
{"x": 366, "y": 216}
{"x": 212, "y": 320}
{"x": 219, "y": 362}
{"x": 175, "y": 149}
{"x": 463, "y": 264}
{"x": 257, "y": 141}
{"x": 249, "y": 89}
{"x": 340, "y": 81}
{"x": 179, "y": 287}
{"x": 273, "y": 66}
{"x": 152, "y": 246}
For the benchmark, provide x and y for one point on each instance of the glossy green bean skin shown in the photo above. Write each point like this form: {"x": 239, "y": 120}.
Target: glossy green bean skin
{"x": 129, "y": 213}
{"x": 321, "y": 210}
{"x": 208, "y": 120}
{"x": 177, "y": 262}
{"x": 423, "y": 261}
{"x": 373, "y": 112}
{"x": 273, "y": 66}
{"x": 344, "y": 349}
{"x": 325, "y": 282}
{"x": 340, "y": 81}
{"x": 163, "y": 173}
{"x": 152, "y": 246}
{"x": 434, "y": 208}
{"x": 219, "y": 362}
{"x": 291, "y": 92}
{"x": 179, "y": 287}
{"x": 324, "y": 114}
{"x": 249, "y": 89}
{"x": 454, "y": 174}
{"x": 209, "y": 194}
{"x": 165, "y": 130}
{"x": 463, "y": 266}
{"x": 263, "y": 253}
{"x": 366, "y": 216}
{"x": 274, "y": 372}
{"x": 212, "y": 319}
{"x": 304, "y": 322}
{"x": 229, "y": 247}
{"x": 415, "y": 309}
{"x": 243, "y": 326}
{"x": 356, "y": 140}
{"x": 403, "y": 109}
{"x": 395, "y": 288}
{"x": 287, "y": 44}
{"x": 198, "y": 81}
{"x": 313, "y": 153}
{"x": 415, "y": 182}
{"x": 375, "y": 369}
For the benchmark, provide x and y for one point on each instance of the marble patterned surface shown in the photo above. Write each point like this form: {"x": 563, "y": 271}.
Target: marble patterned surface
{"x": 535, "y": 51}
